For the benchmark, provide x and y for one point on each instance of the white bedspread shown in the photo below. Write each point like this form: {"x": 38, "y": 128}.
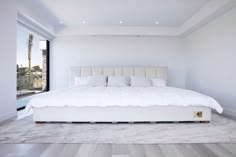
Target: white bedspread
{"x": 122, "y": 96}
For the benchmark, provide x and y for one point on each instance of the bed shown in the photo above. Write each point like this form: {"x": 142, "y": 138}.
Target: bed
{"x": 122, "y": 104}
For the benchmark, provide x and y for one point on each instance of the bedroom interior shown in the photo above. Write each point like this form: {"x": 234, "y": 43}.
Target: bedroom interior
{"x": 118, "y": 78}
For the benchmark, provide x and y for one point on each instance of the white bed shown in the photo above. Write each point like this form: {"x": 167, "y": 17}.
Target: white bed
{"x": 121, "y": 104}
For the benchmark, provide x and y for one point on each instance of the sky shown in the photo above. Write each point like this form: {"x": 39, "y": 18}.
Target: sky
{"x": 22, "y": 48}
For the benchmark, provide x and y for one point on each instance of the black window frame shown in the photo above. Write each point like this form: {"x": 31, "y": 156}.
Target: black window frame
{"x": 47, "y": 66}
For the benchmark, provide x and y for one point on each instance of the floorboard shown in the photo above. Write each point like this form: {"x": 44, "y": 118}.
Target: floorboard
{"x": 36, "y": 150}
{"x": 86, "y": 150}
{"x": 117, "y": 150}
{"x": 136, "y": 150}
{"x": 69, "y": 150}
{"x": 220, "y": 151}
{"x": 170, "y": 150}
{"x": 187, "y": 150}
{"x": 103, "y": 150}
{"x": 52, "y": 150}
{"x": 230, "y": 147}
{"x": 120, "y": 149}
{"x": 202, "y": 150}
{"x": 153, "y": 150}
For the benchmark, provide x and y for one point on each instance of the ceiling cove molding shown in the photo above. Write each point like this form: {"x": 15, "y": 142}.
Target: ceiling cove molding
{"x": 118, "y": 31}
{"x": 212, "y": 10}
{"x": 207, "y": 13}
{"x": 34, "y": 26}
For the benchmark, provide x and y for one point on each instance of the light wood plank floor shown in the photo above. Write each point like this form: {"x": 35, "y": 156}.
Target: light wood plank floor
{"x": 117, "y": 150}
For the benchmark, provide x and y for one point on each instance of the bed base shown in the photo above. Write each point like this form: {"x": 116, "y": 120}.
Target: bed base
{"x": 122, "y": 114}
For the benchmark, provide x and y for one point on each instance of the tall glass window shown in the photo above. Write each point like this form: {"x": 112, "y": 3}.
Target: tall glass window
{"x": 31, "y": 64}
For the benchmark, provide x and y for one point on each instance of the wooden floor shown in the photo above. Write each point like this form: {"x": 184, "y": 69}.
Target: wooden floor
{"x": 117, "y": 150}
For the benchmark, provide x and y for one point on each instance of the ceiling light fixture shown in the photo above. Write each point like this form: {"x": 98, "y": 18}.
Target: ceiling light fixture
{"x": 157, "y": 22}
{"x": 60, "y": 22}
{"x": 121, "y": 22}
{"x": 83, "y": 22}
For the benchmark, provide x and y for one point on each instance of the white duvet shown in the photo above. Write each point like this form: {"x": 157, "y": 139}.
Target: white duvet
{"x": 122, "y": 96}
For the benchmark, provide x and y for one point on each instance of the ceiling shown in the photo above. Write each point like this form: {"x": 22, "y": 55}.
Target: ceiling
{"x": 143, "y": 13}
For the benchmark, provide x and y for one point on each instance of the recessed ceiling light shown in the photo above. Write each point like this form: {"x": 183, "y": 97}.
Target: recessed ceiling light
{"x": 83, "y": 22}
{"x": 61, "y": 22}
{"x": 156, "y": 22}
{"x": 121, "y": 22}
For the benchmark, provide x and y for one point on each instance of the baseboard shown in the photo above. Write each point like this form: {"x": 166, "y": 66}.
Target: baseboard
{"x": 8, "y": 116}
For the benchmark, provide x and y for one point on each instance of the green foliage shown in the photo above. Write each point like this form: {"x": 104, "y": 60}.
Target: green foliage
{"x": 36, "y": 68}
{"x": 26, "y": 81}
{"x": 21, "y": 71}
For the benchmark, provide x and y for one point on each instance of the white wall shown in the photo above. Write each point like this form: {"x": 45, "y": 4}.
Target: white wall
{"x": 147, "y": 51}
{"x": 7, "y": 59}
{"x": 211, "y": 55}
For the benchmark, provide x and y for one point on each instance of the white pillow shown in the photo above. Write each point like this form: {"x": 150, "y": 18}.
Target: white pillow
{"x": 90, "y": 81}
{"x": 140, "y": 82}
{"x": 97, "y": 81}
{"x": 118, "y": 81}
{"x": 81, "y": 81}
{"x": 159, "y": 82}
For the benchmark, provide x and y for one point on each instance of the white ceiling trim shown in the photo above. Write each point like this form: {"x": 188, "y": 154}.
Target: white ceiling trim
{"x": 119, "y": 31}
{"x": 34, "y": 26}
{"x": 206, "y": 14}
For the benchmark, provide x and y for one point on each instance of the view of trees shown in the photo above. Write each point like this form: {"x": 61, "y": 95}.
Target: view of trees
{"x": 36, "y": 69}
{"x": 29, "y": 78}
{"x": 26, "y": 80}
{"x": 23, "y": 71}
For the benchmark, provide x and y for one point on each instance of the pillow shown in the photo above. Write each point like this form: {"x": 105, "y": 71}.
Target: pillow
{"x": 81, "y": 81}
{"x": 118, "y": 81}
{"x": 97, "y": 81}
{"x": 140, "y": 82}
{"x": 90, "y": 81}
{"x": 159, "y": 82}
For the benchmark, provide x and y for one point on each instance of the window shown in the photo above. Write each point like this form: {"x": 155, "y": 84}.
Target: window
{"x": 32, "y": 64}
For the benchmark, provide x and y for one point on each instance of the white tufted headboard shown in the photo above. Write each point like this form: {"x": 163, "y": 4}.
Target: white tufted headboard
{"x": 150, "y": 72}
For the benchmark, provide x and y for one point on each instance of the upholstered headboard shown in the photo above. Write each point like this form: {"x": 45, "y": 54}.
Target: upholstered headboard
{"x": 149, "y": 72}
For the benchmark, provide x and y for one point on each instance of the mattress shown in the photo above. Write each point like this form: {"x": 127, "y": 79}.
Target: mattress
{"x": 122, "y": 96}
